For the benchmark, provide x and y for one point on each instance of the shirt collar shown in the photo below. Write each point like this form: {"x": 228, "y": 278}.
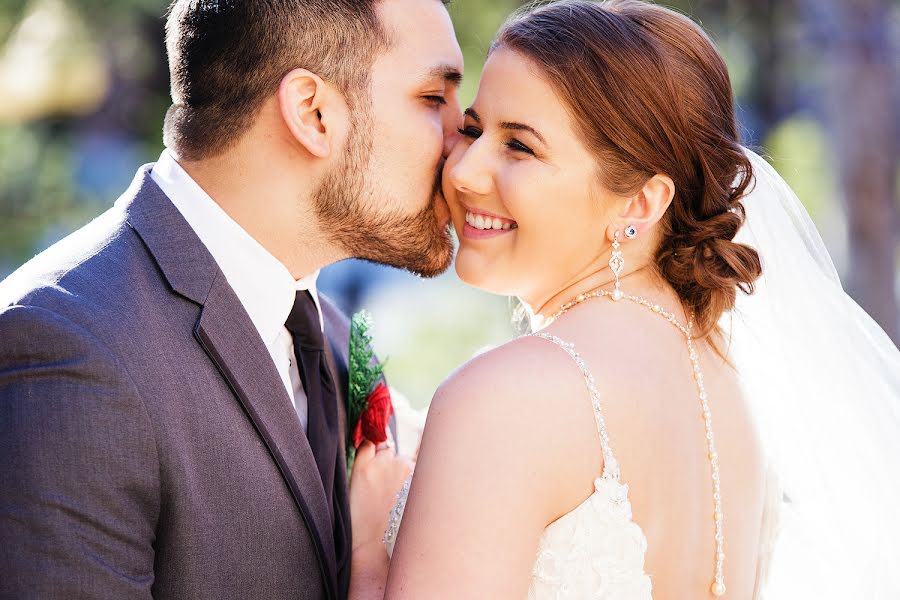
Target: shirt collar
{"x": 261, "y": 282}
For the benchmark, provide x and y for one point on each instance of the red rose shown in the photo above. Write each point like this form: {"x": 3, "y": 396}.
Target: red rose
{"x": 373, "y": 422}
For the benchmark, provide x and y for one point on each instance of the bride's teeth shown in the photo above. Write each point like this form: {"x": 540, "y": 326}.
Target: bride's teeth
{"x": 487, "y": 223}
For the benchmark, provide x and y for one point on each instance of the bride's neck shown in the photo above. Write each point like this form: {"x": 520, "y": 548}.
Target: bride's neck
{"x": 637, "y": 281}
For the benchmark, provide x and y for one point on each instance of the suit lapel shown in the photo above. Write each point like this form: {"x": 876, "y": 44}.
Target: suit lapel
{"x": 340, "y": 500}
{"x": 337, "y": 349}
{"x": 228, "y": 336}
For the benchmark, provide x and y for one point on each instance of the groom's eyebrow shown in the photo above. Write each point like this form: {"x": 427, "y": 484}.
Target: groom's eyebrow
{"x": 446, "y": 73}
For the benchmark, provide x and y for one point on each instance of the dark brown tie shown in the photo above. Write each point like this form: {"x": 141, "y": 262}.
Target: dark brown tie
{"x": 318, "y": 383}
{"x": 323, "y": 428}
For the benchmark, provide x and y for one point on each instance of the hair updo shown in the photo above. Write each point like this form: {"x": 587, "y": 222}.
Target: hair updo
{"x": 649, "y": 93}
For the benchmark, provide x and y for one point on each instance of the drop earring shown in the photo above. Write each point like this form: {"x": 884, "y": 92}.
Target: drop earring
{"x": 617, "y": 263}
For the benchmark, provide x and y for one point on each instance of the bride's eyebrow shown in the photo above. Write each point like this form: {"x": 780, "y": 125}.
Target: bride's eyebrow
{"x": 509, "y": 125}
{"x": 522, "y": 127}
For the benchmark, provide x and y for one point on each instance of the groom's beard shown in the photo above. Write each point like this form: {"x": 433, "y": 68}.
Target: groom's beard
{"x": 346, "y": 207}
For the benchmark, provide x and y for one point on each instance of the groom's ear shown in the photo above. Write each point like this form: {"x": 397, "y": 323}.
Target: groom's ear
{"x": 649, "y": 205}
{"x": 302, "y": 96}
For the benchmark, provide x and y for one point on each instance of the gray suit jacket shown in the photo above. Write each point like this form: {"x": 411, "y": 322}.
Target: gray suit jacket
{"x": 147, "y": 444}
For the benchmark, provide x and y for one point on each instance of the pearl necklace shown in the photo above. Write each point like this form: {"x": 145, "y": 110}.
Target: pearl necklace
{"x": 718, "y": 585}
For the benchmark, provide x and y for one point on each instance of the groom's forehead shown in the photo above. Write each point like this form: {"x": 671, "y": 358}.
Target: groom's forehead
{"x": 421, "y": 34}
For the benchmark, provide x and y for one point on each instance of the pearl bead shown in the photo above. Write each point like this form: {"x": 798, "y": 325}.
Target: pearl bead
{"x": 718, "y": 589}
{"x": 617, "y": 295}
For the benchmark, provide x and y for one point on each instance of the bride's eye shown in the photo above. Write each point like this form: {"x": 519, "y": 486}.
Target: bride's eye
{"x": 517, "y": 146}
{"x": 470, "y": 132}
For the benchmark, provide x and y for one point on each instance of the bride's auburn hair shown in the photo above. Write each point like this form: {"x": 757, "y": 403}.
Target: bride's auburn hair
{"x": 649, "y": 93}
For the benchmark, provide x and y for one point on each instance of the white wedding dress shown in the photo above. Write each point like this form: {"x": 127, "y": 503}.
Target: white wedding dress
{"x": 594, "y": 551}
{"x": 823, "y": 382}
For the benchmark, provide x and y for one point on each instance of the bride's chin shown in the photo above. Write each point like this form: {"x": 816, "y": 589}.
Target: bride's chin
{"x": 477, "y": 276}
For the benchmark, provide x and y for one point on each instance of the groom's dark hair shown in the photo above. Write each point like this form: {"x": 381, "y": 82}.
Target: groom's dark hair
{"x": 227, "y": 56}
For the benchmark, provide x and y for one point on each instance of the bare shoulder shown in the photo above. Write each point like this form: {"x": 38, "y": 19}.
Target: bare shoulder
{"x": 488, "y": 475}
{"x": 521, "y": 409}
{"x": 525, "y": 377}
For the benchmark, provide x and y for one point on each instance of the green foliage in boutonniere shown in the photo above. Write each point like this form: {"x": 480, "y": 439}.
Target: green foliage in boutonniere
{"x": 365, "y": 376}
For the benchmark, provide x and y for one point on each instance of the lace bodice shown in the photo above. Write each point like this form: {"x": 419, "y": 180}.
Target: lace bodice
{"x": 595, "y": 551}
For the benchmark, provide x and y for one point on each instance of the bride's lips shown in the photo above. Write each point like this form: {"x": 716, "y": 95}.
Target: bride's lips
{"x": 481, "y": 224}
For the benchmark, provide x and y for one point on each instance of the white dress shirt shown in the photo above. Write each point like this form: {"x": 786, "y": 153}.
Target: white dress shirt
{"x": 261, "y": 282}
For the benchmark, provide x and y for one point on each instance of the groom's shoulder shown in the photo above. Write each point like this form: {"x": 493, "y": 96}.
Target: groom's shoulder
{"x": 87, "y": 272}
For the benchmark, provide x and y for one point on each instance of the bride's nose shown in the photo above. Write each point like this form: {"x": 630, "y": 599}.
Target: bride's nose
{"x": 471, "y": 174}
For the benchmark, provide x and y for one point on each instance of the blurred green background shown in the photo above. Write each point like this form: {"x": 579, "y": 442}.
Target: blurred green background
{"x": 84, "y": 87}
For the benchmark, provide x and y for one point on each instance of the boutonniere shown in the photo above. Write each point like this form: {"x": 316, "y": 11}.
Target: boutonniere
{"x": 369, "y": 405}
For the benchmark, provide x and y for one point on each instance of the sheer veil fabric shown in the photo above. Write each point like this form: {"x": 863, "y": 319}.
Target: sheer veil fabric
{"x": 823, "y": 380}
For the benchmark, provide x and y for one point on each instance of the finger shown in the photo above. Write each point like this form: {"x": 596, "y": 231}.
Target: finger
{"x": 364, "y": 454}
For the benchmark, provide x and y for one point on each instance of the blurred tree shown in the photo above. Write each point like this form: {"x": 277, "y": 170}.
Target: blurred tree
{"x": 856, "y": 37}
{"x": 57, "y": 168}
{"x": 476, "y": 23}
{"x": 84, "y": 86}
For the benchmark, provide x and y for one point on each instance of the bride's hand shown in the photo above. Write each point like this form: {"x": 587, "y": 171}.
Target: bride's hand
{"x": 378, "y": 474}
{"x": 376, "y": 479}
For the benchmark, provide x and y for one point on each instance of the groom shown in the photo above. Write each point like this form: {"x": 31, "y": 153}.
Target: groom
{"x": 171, "y": 385}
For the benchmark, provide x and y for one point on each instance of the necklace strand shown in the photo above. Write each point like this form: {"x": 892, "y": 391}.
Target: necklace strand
{"x": 718, "y": 585}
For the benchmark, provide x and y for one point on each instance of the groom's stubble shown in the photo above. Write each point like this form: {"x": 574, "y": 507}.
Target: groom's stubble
{"x": 347, "y": 205}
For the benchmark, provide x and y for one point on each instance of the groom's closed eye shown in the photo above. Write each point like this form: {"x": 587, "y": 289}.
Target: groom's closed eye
{"x": 436, "y": 100}
{"x": 437, "y": 81}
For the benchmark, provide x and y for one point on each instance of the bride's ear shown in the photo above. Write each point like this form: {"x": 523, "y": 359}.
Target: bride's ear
{"x": 309, "y": 107}
{"x": 649, "y": 205}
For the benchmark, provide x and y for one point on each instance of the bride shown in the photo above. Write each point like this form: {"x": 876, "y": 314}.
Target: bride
{"x": 681, "y": 421}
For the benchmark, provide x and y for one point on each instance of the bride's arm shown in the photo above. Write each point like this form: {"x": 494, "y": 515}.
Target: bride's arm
{"x": 376, "y": 479}
{"x": 484, "y": 488}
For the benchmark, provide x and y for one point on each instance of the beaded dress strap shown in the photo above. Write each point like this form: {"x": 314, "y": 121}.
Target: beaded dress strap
{"x": 610, "y": 464}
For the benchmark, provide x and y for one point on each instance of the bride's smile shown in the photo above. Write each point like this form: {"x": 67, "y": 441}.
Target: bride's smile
{"x": 481, "y": 224}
